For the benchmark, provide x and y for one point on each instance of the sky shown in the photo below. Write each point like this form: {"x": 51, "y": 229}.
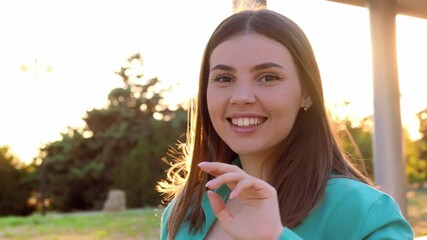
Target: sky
{"x": 84, "y": 42}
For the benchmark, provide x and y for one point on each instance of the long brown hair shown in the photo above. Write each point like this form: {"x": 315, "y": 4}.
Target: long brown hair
{"x": 304, "y": 161}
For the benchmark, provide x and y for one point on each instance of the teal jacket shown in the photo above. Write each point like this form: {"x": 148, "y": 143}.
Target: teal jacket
{"x": 349, "y": 210}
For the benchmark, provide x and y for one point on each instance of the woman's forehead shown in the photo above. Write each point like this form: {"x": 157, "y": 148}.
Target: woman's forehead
{"x": 250, "y": 49}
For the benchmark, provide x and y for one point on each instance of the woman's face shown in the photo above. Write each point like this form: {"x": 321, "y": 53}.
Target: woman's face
{"x": 253, "y": 94}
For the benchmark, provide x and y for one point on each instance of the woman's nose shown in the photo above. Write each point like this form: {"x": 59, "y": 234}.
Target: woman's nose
{"x": 243, "y": 94}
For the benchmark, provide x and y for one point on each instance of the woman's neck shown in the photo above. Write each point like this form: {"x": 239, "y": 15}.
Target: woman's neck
{"x": 252, "y": 165}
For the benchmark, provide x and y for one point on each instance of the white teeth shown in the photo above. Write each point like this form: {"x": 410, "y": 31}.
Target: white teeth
{"x": 246, "y": 122}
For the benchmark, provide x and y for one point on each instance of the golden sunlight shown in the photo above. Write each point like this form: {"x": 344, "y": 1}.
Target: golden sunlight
{"x": 84, "y": 44}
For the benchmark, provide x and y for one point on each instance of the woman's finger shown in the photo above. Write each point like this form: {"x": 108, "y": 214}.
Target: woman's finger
{"x": 230, "y": 178}
{"x": 217, "y": 168}
{"x": 256, "y": 188}
{"x": 218, "y": 207}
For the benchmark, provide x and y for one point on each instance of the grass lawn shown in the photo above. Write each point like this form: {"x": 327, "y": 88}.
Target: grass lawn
{"x": 131, "y": 224}
{"x": 136, "y": 224}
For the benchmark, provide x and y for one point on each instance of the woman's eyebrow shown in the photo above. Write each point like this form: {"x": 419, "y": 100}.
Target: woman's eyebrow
{"x": 253, "y": 69}
{"x": 266, "y": 65}
{"x": 223, "y": 67}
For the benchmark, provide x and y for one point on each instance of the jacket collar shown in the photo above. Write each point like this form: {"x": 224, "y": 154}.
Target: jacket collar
{"x": 223, "y": 191}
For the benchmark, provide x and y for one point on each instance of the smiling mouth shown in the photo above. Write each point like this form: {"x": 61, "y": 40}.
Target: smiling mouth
{"x": 246, "y": 122}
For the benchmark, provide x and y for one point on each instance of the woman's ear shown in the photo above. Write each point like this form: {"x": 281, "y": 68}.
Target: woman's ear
{"x": 307, "y": 103}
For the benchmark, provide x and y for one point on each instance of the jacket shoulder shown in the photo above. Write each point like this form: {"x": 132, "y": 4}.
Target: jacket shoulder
{"x": 351, "y": 209}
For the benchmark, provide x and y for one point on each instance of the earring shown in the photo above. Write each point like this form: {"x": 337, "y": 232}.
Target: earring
{"x": 307, "y": 104}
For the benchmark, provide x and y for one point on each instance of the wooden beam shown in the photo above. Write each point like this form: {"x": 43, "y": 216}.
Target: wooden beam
{"x": 413, "y": 8}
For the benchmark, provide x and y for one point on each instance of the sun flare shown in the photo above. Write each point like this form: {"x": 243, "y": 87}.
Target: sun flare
{"x": 77, "y": 56}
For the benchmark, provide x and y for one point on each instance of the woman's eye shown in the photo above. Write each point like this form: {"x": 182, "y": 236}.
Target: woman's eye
{"x": 223, "y": 79}
{"x": 269, "y": 78}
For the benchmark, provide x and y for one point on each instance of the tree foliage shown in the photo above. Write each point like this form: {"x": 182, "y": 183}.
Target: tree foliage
{"x": 120, "y": 146}
{"x": 15, "y": 185}
{"x": 356, "y": 139}
{"x": 416, "y": 167}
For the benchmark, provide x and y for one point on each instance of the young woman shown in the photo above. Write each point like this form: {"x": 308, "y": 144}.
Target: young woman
{"x": 261, "y": 160}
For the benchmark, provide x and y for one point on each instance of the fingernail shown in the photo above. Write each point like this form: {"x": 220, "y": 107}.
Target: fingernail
{"x": 201, "y": 164}
{"x": 232, "y": 195}
{"x": 209, "y": 183}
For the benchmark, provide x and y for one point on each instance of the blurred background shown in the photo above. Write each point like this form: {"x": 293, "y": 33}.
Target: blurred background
{"x": 93, "y": 94}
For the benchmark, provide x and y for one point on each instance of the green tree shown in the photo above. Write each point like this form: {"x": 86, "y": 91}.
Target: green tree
{"x": 417, "y": 150}
{"x": 15, "y": 185}
{"x": 121, "y": 146}
{"x": 415, "y": 166}
{"x": 356, "y": 139}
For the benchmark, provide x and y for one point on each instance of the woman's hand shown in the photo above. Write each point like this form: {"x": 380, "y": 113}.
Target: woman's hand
{"x": 260, "y": 216}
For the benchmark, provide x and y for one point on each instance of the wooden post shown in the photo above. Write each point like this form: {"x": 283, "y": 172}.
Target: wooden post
{"x": 389, "y": 164}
